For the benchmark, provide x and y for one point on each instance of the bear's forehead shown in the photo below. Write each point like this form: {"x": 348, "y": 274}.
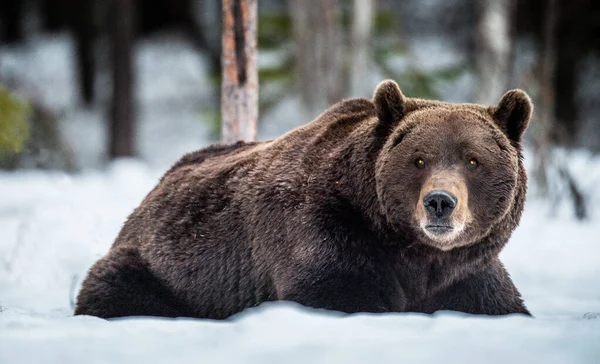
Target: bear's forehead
{"x": 450, "y": 120}
{"x": 451, "y": 115}
{"x": 447, "y": 126}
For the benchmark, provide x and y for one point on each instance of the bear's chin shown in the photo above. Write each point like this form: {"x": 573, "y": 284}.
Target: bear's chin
{"x": 444, "y": 238}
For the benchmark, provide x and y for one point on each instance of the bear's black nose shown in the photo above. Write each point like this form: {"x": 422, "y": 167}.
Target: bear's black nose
{"x": 439, "y": 204}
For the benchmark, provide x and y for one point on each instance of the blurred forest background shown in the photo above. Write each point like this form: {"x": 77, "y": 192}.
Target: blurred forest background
{"x": 83, "y": 82}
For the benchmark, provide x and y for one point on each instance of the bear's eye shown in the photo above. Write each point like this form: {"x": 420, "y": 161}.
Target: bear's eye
{"x": 472, "y": 163}
{"x": 420, "y": 163}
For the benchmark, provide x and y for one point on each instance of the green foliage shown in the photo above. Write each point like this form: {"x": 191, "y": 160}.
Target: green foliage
{"x": 14, "y": 123}
{"x": 275, "y": 33}
{"x": 213, "y": 116}
{"x": 274, "y": 29}
{"x": 281, "y": 72}
{"x": 386, "y": 22}
{"x": 421, "y": 84}
{"x": 387, "y": 46}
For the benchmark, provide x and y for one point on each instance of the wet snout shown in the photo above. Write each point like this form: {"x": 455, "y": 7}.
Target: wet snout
{"x": 439, "y": 204}
{"x": 442, "y": 210}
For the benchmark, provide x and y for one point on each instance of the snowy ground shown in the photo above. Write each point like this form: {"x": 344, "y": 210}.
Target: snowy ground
{"x": 53, "y": 227}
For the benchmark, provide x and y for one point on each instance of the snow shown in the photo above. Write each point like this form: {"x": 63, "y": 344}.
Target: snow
{"x": 54, "y": 226}
{"x": 284, "y": 333}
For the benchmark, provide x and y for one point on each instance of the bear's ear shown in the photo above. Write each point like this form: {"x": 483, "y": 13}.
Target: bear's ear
{"x": 389, "y": 101}
{"x": 513, "y": 113}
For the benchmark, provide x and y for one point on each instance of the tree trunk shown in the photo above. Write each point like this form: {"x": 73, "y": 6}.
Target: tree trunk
{"x": 122, "y": 127}
{"x": 318, "y": 48}
{"x": 239, "y": 92}
{"x": 54, "y": 16}
{"x": 85, "y": 33}
{"x": 544, "y": 128}
{"x": 567, "y": 114}
{"x": 493, "y": 47}
{"x": 362, "y": 22}
{"x": 11, "y": 20}
{"x": 546, "y": 71}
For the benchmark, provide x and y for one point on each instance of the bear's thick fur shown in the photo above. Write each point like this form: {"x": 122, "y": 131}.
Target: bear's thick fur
{"x": 391, "y": 205}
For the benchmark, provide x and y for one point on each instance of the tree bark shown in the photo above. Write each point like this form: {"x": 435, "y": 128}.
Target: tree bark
{"x": 239, "y": 92}
{"x": 493, "y": 46}
{"x": 319, "y": 53}
{"x": 122, "y": 125}
{"x": 362, "y": 23}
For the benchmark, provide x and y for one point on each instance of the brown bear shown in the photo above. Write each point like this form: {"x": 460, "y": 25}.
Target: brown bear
{"x": 391, "y": 205}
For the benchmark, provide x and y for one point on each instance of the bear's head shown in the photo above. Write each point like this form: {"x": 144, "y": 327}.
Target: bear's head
{"x": 451, "y": 174}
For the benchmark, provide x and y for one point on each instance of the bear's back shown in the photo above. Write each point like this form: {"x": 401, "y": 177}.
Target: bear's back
{"x": 198, "y": 225}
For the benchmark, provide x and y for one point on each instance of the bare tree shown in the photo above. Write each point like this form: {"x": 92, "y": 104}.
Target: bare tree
{"x": 239, "y": 93}
{"x": 543, "y": 137}
{"x": 318, "y": 47}
{"x": 362, "y": 23}
{"x": 122, "y": 118}
{"x": 493, "y": 49}
{"x": 545, "y": 72}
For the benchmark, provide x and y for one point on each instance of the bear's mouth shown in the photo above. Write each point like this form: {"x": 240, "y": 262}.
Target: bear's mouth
{"x": 439, "y": 229}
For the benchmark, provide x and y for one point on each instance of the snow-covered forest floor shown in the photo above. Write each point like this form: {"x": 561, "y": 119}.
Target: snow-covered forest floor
{"x": 54, "y": 226}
